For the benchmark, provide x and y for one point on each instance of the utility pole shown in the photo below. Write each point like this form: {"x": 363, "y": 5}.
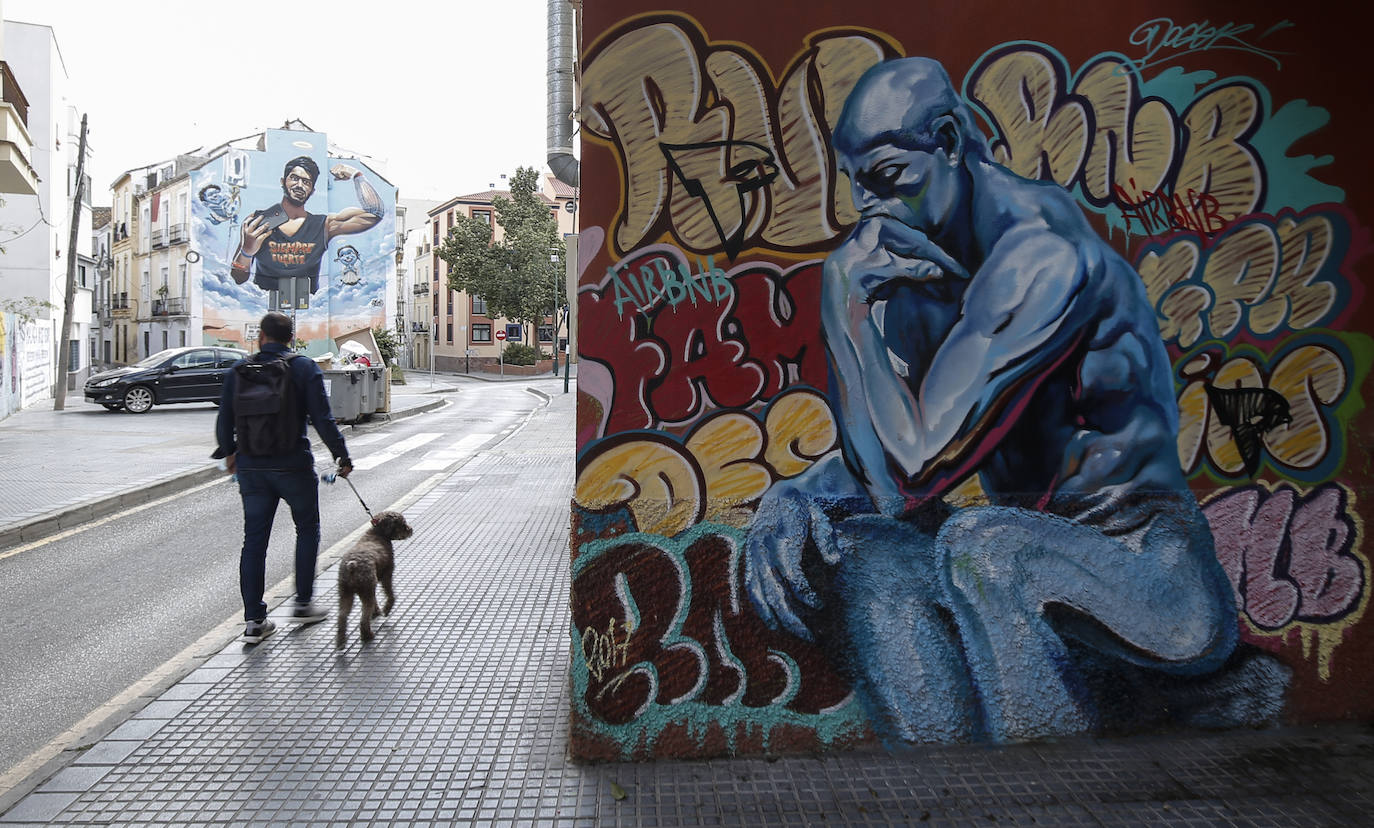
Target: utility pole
{"x": 59, "y": 400}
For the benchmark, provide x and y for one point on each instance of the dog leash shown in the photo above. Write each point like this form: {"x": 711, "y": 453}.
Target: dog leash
{"x": 330, "y": 477}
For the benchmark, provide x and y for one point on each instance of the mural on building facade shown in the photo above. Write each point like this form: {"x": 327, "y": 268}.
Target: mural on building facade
{"x": 290, "y": 229}
{"x": 939, "y": 401}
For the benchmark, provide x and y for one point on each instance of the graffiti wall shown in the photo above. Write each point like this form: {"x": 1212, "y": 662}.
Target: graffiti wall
{"x": 288, "y": 228}
{"x": 982, "y": 374}
{"x": 26, "y": 369}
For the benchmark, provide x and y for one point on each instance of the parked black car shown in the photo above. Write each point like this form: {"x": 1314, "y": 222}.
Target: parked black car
{"x": 177, "y": 375}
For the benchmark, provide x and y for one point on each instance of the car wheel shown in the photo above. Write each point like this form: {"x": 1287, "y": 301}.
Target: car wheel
{"x": 138, "y": 399}
{"x": 112, "y": 406}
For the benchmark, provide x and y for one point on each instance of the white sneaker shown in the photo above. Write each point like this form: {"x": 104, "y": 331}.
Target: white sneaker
{"x": 255, "y": 631}
{"x": 308, "y": 612}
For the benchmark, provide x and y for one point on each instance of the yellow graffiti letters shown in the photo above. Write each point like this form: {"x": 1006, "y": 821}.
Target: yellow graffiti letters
{"x": 725, "y": 446}
{"x": 1140, "y": 139}
{"x": 728, "y": 462}
{"x": 1260, "y": 274}
{"x": 661, "y": 487}
{"x": 704, "y": 154}
{"x": 1310, "y": 378}
{"x": 801, "y": 428}
{"x": 1122, "y": 147}
{"x": 1041, "y": 134}
{"x": 1218, "y": 162}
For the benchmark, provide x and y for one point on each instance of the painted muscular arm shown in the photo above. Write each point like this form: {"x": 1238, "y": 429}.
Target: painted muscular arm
{"x": 1021, "y": 313}
{"x": 355, "y": 219}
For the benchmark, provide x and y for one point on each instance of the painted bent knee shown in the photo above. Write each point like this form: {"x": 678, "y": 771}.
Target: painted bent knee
{"x": 1166, "y": 606}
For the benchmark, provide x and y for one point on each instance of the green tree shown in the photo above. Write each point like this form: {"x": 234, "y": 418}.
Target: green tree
{"x": 520, "y": 276}
{"x": 386, "y": 343}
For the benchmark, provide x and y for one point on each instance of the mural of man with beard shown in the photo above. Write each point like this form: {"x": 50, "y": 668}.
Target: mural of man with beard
{"x": 286, "y": 242}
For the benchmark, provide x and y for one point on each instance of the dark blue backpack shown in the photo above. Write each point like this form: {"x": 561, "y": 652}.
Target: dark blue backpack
{"x": 266, "y": 412}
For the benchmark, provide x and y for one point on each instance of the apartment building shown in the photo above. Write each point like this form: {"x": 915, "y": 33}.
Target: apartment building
{"x": 35, "y": 225}
{"x": 152, "y": 301}
{"x": 174, "y": 230}
{"x": 457, "y": 326}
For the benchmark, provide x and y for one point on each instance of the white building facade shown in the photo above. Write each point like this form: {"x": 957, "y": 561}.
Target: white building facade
{"x": 35, "y": 230}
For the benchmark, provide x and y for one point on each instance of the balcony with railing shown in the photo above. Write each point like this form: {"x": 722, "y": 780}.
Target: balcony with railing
{"x": 177, "y": 234}
{"x": 422, "y": 289}
{"x": 170, "y": 306}
{"x": 17, "y": 174}
{"x": 158, "y": 238}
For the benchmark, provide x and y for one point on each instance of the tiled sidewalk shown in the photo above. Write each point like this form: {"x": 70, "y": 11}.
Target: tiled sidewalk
{"x": 457, "y": 715}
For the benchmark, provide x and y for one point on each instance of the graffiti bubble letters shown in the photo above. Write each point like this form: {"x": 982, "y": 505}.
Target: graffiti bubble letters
{"x": 697, "y": 645}
{"x": 718, "y": 473}
{"x": 1301, "y": 434}
{"x": 748, "y": 174}
{"x": 1289, "y": 557}
{"x": 759, "y": 169}
{"x": 675, "y": 284}
{"x": 1104, "y": 136}
{"x": 1162, "y": 33}
{"x": 1264, "y": 273}
{"x": 680, "y": 357}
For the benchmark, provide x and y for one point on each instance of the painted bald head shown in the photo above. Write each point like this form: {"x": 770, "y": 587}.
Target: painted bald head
{"x": 901, "y": 138}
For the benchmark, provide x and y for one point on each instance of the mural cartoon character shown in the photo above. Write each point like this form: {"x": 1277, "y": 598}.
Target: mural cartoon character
{"x": 285, "y": 241}
{"x": 220, "y": 208}
{"x": 975, "y": 323}
{"x": 349, "y": 257}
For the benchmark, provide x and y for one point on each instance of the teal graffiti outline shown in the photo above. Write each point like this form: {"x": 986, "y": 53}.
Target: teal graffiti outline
{"x": 842, "y": 724}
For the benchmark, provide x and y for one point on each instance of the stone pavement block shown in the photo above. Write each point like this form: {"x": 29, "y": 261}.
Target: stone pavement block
{"x": 74, "y": 779}
{"x": 39, "y": 807}
{"x": 108, "y": 752}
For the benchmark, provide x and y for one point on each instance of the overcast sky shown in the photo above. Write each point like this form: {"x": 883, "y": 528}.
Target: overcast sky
{"x": 445, "y": 95}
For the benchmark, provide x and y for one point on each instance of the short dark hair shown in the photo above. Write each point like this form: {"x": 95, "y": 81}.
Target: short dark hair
{"x": 306, "y": 163}
{"x": 277, "y": 328}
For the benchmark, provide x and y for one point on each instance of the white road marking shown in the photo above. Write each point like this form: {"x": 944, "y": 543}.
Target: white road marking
{"x": 391, "y": 452}
{"x": 366, "y": 439}
{"x": 443, "y": 458}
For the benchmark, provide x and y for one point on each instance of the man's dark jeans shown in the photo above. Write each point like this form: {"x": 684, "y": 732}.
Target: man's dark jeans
{"x": 261, "y": 490}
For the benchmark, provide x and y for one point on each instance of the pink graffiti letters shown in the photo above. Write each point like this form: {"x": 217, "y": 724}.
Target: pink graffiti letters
{"x": 1290, "y": 557}
{"x": 1162, "y": 34}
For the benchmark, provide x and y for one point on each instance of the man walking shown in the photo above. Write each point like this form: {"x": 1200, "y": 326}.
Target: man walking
{"x": 271, "y": 470}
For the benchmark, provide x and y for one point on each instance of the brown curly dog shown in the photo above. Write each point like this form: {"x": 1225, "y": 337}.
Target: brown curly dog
{"x": 368, "y": 563}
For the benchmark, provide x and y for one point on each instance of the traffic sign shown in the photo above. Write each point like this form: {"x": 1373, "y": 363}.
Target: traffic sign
{"x": 501, "y": 335}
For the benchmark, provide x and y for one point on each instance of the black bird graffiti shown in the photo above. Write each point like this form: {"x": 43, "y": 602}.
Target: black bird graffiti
{"x": 753, "y": 169}
{"x": 1250, "y": 413}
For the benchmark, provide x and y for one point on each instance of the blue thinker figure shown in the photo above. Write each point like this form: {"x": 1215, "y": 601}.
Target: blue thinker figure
{"x": 975, "y": 323}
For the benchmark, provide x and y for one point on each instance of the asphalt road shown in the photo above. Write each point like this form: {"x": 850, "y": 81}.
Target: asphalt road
{"x": 86, "y": 616}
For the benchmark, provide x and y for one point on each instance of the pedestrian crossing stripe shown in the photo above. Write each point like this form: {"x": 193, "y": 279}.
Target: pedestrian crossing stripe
{"x": 372, "y": 461}
{"x": 443, "y": 458}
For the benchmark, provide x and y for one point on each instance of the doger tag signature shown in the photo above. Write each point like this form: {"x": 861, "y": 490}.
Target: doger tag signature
{"x": 1161, "y": 35}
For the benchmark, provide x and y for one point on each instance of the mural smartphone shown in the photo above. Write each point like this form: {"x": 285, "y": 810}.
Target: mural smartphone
{"x": 275, "y": 216}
